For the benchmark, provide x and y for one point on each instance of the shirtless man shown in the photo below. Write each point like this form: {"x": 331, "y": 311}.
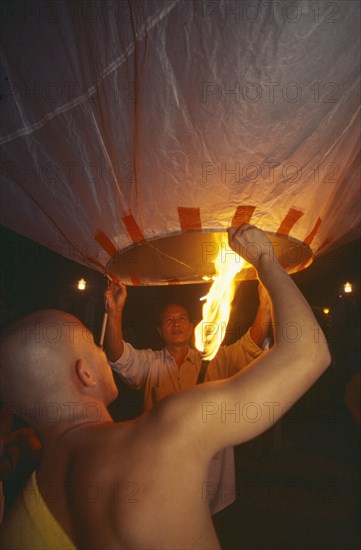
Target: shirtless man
{"x": 139, "y": 484}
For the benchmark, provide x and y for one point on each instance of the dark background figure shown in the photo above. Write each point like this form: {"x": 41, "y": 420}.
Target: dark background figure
{"x": 20, "y": 451}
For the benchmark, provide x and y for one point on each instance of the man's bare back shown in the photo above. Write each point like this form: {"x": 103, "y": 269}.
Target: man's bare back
{"x": 147, "y": 495}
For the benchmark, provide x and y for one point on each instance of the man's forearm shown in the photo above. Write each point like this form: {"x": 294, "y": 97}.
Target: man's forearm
{"x": 261, "y": 324}
{"x": 113, "y": 341}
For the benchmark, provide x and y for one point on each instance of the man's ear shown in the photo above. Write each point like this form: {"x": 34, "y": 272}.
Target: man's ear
{"x": 84, "y": 374}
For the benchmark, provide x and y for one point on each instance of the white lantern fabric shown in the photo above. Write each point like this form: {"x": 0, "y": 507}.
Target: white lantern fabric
{"x": 127, "y": 122}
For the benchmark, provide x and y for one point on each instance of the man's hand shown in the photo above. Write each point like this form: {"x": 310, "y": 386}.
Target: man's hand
{"x": 250, "y": 243}
{"x": 115, "y": 297}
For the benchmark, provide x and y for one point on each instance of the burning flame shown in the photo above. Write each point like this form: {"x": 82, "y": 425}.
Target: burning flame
{"x": 210, "y": 332}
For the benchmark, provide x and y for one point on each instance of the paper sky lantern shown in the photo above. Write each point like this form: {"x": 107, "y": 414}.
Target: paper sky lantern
{"x": 133, "y": 134}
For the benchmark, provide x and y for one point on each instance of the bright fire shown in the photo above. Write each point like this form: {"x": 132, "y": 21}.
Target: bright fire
{"x": 210, "y": 332}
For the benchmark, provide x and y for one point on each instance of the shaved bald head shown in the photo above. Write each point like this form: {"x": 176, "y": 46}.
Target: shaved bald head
{"x": 50, "y": 357}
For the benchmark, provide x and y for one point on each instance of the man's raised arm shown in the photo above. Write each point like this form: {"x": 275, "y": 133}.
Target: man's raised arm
{"x": 235, "y": 410}
{"x": 115, "y": 296}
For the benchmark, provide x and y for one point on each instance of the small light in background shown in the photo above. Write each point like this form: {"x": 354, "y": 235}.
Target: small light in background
{"x": 347, "y": 287}
{"x": 82, "y": 284}
{"x": 326, "y": 310}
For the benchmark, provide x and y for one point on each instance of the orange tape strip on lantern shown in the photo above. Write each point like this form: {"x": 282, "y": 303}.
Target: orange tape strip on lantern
{"x": 188, "y": 256}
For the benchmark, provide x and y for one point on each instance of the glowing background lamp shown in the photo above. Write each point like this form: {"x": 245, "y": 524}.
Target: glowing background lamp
{"x": 82, "y": 284}
{"x": 347, "y": 287}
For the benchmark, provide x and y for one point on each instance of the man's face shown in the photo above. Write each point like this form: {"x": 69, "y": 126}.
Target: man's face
{"x": 176, "y": 328}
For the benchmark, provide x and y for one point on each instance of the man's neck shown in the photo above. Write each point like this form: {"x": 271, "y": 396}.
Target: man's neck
{"x": 179, "y": 352}
{"x": 87, "y": 414}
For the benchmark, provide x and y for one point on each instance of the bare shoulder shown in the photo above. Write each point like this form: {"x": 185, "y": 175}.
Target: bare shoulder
{"x": 111, "y": 452}
{"x": 94, "y": 453}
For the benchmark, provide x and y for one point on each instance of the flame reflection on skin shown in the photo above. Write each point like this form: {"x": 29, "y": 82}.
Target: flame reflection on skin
{"x": 210, "y": 332}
